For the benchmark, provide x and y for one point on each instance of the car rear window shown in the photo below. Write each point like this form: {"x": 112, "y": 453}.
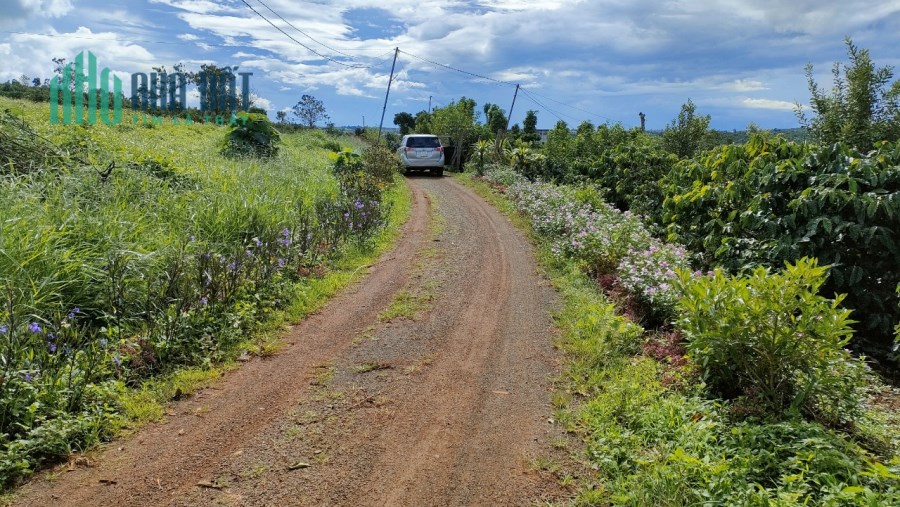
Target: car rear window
{"x": 422, "y": 142}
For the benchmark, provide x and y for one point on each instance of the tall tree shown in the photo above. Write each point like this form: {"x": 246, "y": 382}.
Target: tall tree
{"x": 687, "y": 134}
{"x": 310, "y": 111}
{"x": 281, "y": 116}
{"x": 862, "y": 108}
{"x": 529, "y": 128}
{"x": 406, "y": 122}
{"x": 494, "y": 118}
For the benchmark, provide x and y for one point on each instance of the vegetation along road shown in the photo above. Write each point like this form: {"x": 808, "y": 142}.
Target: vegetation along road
{"x": 427, "y": 383}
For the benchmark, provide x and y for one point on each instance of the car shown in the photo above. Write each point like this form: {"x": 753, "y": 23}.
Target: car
{"x": 421, "y": 152}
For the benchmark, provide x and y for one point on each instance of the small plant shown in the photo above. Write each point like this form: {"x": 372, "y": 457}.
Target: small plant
{"x": 772, "y": 340}
{"x": 252, "y": 134}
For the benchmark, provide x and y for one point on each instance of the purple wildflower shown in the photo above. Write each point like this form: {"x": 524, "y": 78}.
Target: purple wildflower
{"x": 4, "y": 329}
{"x": 204, "y": 301}
{"x": 286, "y": 232}
{"x": 257, "y": 242}
{"x": 52, "y": 347}
{"x": 281, "y": 263}
{"x": 359, "y": 205}
{"x": 232, "y": 266}
{"x": 103, "y": 342}
{"x": 35, "y": 328}
{"x": 28, "y": 377}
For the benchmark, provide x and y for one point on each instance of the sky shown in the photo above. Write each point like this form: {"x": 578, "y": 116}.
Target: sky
{"x": 739, "y": 61}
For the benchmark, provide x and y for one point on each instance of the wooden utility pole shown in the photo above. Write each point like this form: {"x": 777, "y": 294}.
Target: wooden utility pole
{"x": 387, "y": 94}
{"x": 509, "y": 117}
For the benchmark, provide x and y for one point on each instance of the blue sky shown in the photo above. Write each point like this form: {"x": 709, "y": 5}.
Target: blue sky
{"x": 601, "y": 60}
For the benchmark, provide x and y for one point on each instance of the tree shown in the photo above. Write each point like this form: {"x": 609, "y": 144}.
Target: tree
{"x": 406, "y": 122}
{"x": 687, "y": 134}
{"x": 862, "y": 108}
{"x": 494, "y": 118}
{"x": 515, "y": 132}
{"x": 310, "y": 111}
{"x": 423, "y": 122}
{"x": 529, "y": 129}
{"x": 456, "y": 122}
{"x": 281, "y": 116}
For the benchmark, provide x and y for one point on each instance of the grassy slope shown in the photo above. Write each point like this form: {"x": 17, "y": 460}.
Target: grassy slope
{"x": 170, "y": 193}
{"x": 657, "y": 439}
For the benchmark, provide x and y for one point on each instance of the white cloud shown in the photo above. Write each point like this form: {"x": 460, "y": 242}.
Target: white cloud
{"x": 777, "y": 105}
{"x": 745, "y": 85}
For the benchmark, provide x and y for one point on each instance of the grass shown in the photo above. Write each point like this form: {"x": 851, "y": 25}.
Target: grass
{"x": 100, "y": 276}
{"x": 652, "y": 436}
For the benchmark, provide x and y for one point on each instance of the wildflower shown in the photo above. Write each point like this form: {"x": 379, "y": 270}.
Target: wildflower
{"x": 286, "y": 233}
{"x": 28, "y": 377}
{"x": 232, "y": 266}
{"x": 4, "y": 329}
{"x": 346, "y": 215}
{"x": 281, "y": 263}
{"x": 103, "y": 342}
{"x": 52, "y": 347}
{"x": 51, "y": 337}
{"x": 257, "y": 241}
{"x": 359, "y": 204}
{"x": 204, "y": 301}
{"x": 249, "y": 253}
{"x": 117, "y": 360}
{"x": 35, "y": 328}
{"x": 192, "y": 238}
{"x": 71, "y": 316}
{"x": 76, "y": 310}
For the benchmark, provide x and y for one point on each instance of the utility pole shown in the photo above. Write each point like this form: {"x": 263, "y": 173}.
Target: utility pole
{"x": 508, "y": 118}
{"x": 429, "y": 103}
{"x": 381, "y": 125}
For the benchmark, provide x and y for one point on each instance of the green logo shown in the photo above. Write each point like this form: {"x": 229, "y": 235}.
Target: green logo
{"x": 70, "y": 88}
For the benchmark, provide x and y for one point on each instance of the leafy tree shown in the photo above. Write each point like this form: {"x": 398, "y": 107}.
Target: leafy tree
{"x": 456, "y": 122}
{"x": 862, "y": 108}
{"x": 423, "y": 122}
{"x": 281, "y": 116}
{"x": 406, "y": 122}
{"x": 515, "y": 132}
{"x": 687, "y": 134}
{"x": 529, "y": 130}
{"x": 310, "y": 111}
{"x": 494, "y": 118}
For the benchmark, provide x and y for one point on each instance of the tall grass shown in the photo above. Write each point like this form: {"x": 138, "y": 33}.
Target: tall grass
{"x": 171, "y": 259}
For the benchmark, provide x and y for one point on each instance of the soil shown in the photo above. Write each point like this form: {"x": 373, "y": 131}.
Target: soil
{"x": 443, "y": 400}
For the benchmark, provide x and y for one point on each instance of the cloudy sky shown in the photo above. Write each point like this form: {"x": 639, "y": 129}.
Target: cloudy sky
{"x": 740, "y": 61}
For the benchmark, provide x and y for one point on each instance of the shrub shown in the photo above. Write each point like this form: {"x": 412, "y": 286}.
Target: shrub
{"x": 252, "y": 134}
{"x": 771, "y": 339}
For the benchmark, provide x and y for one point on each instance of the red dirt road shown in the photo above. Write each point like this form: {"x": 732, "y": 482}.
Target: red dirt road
{"x": 446, "y": 403}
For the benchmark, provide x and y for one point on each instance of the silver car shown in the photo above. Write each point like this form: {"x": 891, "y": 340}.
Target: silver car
{"x": 420, "y": 152}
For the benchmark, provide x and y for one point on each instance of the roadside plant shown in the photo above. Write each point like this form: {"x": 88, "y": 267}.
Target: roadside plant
{"x": 770, "y": 340}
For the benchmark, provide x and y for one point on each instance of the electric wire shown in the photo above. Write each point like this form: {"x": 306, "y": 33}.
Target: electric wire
{"x": 311, "y": 50}
{"x": 310, "y": 37}
{"x": 572, "y": 107}
{"x": 479, "y": 76}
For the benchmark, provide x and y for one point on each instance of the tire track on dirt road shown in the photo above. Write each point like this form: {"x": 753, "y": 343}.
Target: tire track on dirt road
{"x": 444, "y": 405}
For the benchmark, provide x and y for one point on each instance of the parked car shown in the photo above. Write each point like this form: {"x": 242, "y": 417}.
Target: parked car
{"x": 419, "y": 152}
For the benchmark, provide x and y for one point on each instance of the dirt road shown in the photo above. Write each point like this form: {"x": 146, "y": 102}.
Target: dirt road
{"x": 425, "y": 384}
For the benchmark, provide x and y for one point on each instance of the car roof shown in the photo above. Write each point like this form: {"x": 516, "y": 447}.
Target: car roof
{"x": 420, "y": 135}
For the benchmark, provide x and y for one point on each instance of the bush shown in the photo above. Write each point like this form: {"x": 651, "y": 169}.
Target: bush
{"x": 772, "y": 340}
{"x": 252, "y": 134}
{"x": 772, "y": 201}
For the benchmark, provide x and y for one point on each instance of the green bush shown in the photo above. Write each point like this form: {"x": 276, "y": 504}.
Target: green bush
{"x": 772, "y": 201}
{"x": 252, "y": 134}
{"x": 773, "y": 341}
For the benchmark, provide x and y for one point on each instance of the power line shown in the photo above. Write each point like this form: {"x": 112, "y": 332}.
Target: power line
{"x": 531, "y": 97}
{"x": 573, "y": 107}
{"x": 310, "y": 37}
{"x": 311, "y": 50}
{"x": 479, "y": 76}
{"x": 72, "y": 36}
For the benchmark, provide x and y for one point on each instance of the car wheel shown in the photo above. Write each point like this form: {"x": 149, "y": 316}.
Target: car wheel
{"x": 438, "y": 172}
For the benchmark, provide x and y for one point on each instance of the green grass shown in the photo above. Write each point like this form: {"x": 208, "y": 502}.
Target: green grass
{"x": 178, "y": 261}
{"x": 656, "y": 437}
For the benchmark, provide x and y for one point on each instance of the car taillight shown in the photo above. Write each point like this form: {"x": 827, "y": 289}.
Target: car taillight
{"x": 408, "y": 149}
{"x": 438, "y": 149}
